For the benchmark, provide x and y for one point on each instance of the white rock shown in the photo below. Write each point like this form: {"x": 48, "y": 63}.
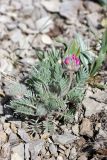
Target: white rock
{"x": 24, "y": 29}
{"x": 53, "y": 149}
{"x": 44, "y": 24}
{"x": 18, "y": 152}
{"x": 86, "y": 128}
{"x": 93, "y": 19}
{"x": 24, "y": 136}
{"x": 92, "y": 6}
{"x": 82, "y": 157}
{"x": 11, "y": 26}
{"x": 60, "y": 158}
{"x": 51, "y": 6}
{"x": 17, "y": 5}
{"x": 75, "y": 129}
{"x": 5, "y": 65}
{"x": 16, "y": 35}
{"x": 27, "y": 154}
{"x": 69, "y": 9}
{"x": 3, "y": 31}
{"x": 35, "y": 147}
{"x": 73, "y": 153}
{"x": 92, "y": 107}
{"x": 1, "y": 109}
{"x": 5, "y": 19}
{"x": 46, "y": 39}
{"x": 100, "y": 96}
{"x": 64, "y": 139}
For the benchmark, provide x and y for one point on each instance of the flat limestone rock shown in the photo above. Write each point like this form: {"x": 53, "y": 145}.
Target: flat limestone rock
{"x": 92, "y": 107}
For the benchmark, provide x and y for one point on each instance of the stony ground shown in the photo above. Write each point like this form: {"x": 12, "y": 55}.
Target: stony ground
{"x": 26, "y": 25}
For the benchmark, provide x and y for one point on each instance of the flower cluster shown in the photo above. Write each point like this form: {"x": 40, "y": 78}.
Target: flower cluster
{"x": 72, "y": 58}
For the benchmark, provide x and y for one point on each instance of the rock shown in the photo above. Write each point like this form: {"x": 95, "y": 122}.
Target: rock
{"x": 3, "y": 31}
{"x": 53, "y": 149}
{"x": 11, "y": 26}
{"x": 18, "y": 124}
{"x": 52, "y": 158}
{"x": 4, "y": 19}
{"x": 46, "y": 39}
{"x": 16, "y": 35}
{"x": 1, "y": 110}
{"x": 6, "y": 125}
{"x": 17, "y": 5}
{"x": 75, "y": 129}
{"x": 86, "y": 128}
{"x": 18, "y": 152}
{"x": 92, "y": 107}
{"x": 5, "y": 151}
{"x": 60, "y": 158}
{"x": 35, "y": 147}
{"x": 43, "y": 151}
{"x": 81, "y": 142}
{"x": 82, "y": 157}
{"x": 24, "y": 136}
{"x": 13, "y": 139}
{"x": 51, "y": 6}
{"x": 3, "y": 137}
{"x": 64, "y": 139}
{"x": 100, "y": 96}
{"x": 26, "y": 30}
{"x": 44, "y": 24}
{"x": 5, "y": 65}
{"x": 8, "y": 131}
{"x": 69, "y": 9}
{"x": 93, "y": 19}
{"x": 73, "y": 153}
{"x": 102, "y": 133}
{"x": 13, "y": 127}
{"x": 27, "y": 154}
{"x": 92, "y": 6}
{"x": 1, "y": 127}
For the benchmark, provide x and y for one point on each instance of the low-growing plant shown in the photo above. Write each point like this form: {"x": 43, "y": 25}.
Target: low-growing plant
{"x": 57, "y": 82}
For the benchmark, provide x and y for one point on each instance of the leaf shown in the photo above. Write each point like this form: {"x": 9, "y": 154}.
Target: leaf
{"x": 101, "y": 57}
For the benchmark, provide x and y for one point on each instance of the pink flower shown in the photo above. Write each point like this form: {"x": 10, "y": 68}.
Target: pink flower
{"x": 67, "y": 60}
{"x": 77, "y": 61}
{"x": 71, "y": 58}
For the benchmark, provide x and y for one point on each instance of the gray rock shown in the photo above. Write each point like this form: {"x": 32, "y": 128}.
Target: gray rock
{"x": 73, "y": 154}
{"x": 69, "y": 9}
{"x": 18, "y": 152}
{"x": 3, "y": 137}
{"x": 53, "y": 149}
{"x": 92, "y": 6}
{"x": 5, "y": 151}
{"x": 92, "y": 107}
{"x": 24, "y": 136}
{"x": 60, "y": 158}
{"x": 51, "y": 6}
{"x": 13, "y": 139}
{"x": 35, "y": 147}
{"x": 27, "y": 154}
{"x": 93, "y": 19}
{"x": 16, "y": 35}
{"x": 4, "y": 19}
{"x": 44, "y": 24}
{"x": 86, "y": 128}
{"x": 75, "y": 129}
{"x": 3, "y": 31}
{"x": 100, "y": 96}
{"x": 82, "y": 157}
{"x": 1, "y": 109}
{"x": 64, "y": 139}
